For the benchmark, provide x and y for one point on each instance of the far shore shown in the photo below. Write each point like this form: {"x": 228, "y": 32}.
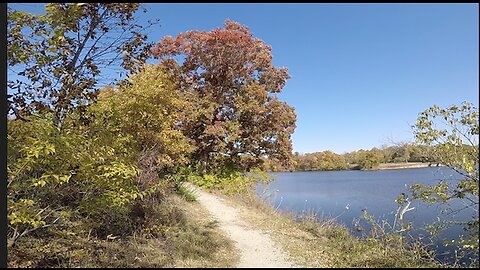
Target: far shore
{"x": 383, "y": 166}
{"x": 406, "y": 165}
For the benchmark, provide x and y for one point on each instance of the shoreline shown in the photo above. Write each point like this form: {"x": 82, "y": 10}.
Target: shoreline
{"x": 380, "y": 167}
{"x": 312, "y": 243}
{"x": 408, "y": 165}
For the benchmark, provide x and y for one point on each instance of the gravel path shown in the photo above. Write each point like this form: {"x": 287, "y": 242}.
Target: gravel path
{"x": 257, "y": 248}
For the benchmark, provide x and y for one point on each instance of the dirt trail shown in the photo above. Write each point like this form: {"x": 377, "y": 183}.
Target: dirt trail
{"x": 257, "y": 248}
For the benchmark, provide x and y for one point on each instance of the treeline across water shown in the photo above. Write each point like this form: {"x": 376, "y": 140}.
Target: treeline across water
{"x": 360, "y": 159}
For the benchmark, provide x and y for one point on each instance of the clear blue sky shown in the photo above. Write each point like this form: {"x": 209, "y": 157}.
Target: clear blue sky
{"x": 361, "y": 73}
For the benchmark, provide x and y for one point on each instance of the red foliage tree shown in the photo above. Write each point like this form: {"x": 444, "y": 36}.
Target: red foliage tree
{"x": 235, "y": 116}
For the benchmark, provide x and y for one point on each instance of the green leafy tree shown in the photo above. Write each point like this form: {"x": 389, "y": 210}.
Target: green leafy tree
{"x": 58, "y": 56}
{"x": 452, "y": 133}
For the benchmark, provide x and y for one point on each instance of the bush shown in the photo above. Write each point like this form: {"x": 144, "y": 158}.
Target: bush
{"x": 51, "y": 170}
{"x": 228, "y": 181}
{"x": 92, "y": 168}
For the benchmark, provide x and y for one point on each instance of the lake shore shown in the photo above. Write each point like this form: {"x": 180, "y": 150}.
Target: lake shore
{"x": 309, "y": 242}
{"x": 382, "y": 166}
{"x": 408, "y": 165}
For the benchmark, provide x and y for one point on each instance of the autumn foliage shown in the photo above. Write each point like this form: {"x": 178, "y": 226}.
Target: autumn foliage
{"x": 59, "y": 56}
{"x": 92, "y": 160}
{"x": 228, "y": 77}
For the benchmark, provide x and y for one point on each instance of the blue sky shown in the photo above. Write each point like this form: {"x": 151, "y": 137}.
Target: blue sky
{"x": 361, "y": 73}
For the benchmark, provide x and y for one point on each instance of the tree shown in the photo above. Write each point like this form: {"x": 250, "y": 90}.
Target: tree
{"x": 96, "y": 168}
{"x": 332, "y": 161}
{"x": 320, "y": 161}
{"x": 401, "y": 152}
{"x": 58, "y": 56}
{"x": 370, "y": 159}
{"x": 420, "y": 153}
{"x": 228, "y": 77}
{"x": 144, "y": 109}
{"x": 452, "y": 133}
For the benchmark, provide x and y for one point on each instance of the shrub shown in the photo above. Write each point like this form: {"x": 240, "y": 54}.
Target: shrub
{"x": 229, "y": 181}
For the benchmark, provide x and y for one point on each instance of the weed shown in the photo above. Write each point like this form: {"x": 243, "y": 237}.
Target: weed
{"x": 185, "y": 193}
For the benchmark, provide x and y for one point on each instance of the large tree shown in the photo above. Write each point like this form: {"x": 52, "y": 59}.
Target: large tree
{"x": 55, "y": 59}
{"x": 232, "y": 85}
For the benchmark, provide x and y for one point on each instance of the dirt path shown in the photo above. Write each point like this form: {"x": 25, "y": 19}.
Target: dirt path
{"x": 257, "y": 248}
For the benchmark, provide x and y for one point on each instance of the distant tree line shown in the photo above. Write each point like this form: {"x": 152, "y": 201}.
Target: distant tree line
{"x": 360, "y": 159}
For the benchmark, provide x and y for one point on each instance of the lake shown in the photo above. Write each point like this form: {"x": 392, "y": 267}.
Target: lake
{"x": 344, "y": 194}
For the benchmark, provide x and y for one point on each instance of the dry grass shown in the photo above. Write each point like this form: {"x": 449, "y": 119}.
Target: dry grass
{"x": 225, "y": 255}
{"x": 178, "y": 234}
{"x": 313, "y": 243}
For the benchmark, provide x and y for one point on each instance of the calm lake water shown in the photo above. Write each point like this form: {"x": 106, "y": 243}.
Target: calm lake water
{"x": 344, "y": 194}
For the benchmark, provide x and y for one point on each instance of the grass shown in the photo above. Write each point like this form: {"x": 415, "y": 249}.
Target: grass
{"x": 177, "y": 234}
{"x": 324, "y": 243}
{"x": 185, "y": 193}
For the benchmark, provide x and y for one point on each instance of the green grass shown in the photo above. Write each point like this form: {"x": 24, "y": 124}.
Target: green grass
{"x": 185, "y": 193}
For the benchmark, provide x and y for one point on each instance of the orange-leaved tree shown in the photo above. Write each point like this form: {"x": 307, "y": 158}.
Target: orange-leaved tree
{"x": 235, "y": 117}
